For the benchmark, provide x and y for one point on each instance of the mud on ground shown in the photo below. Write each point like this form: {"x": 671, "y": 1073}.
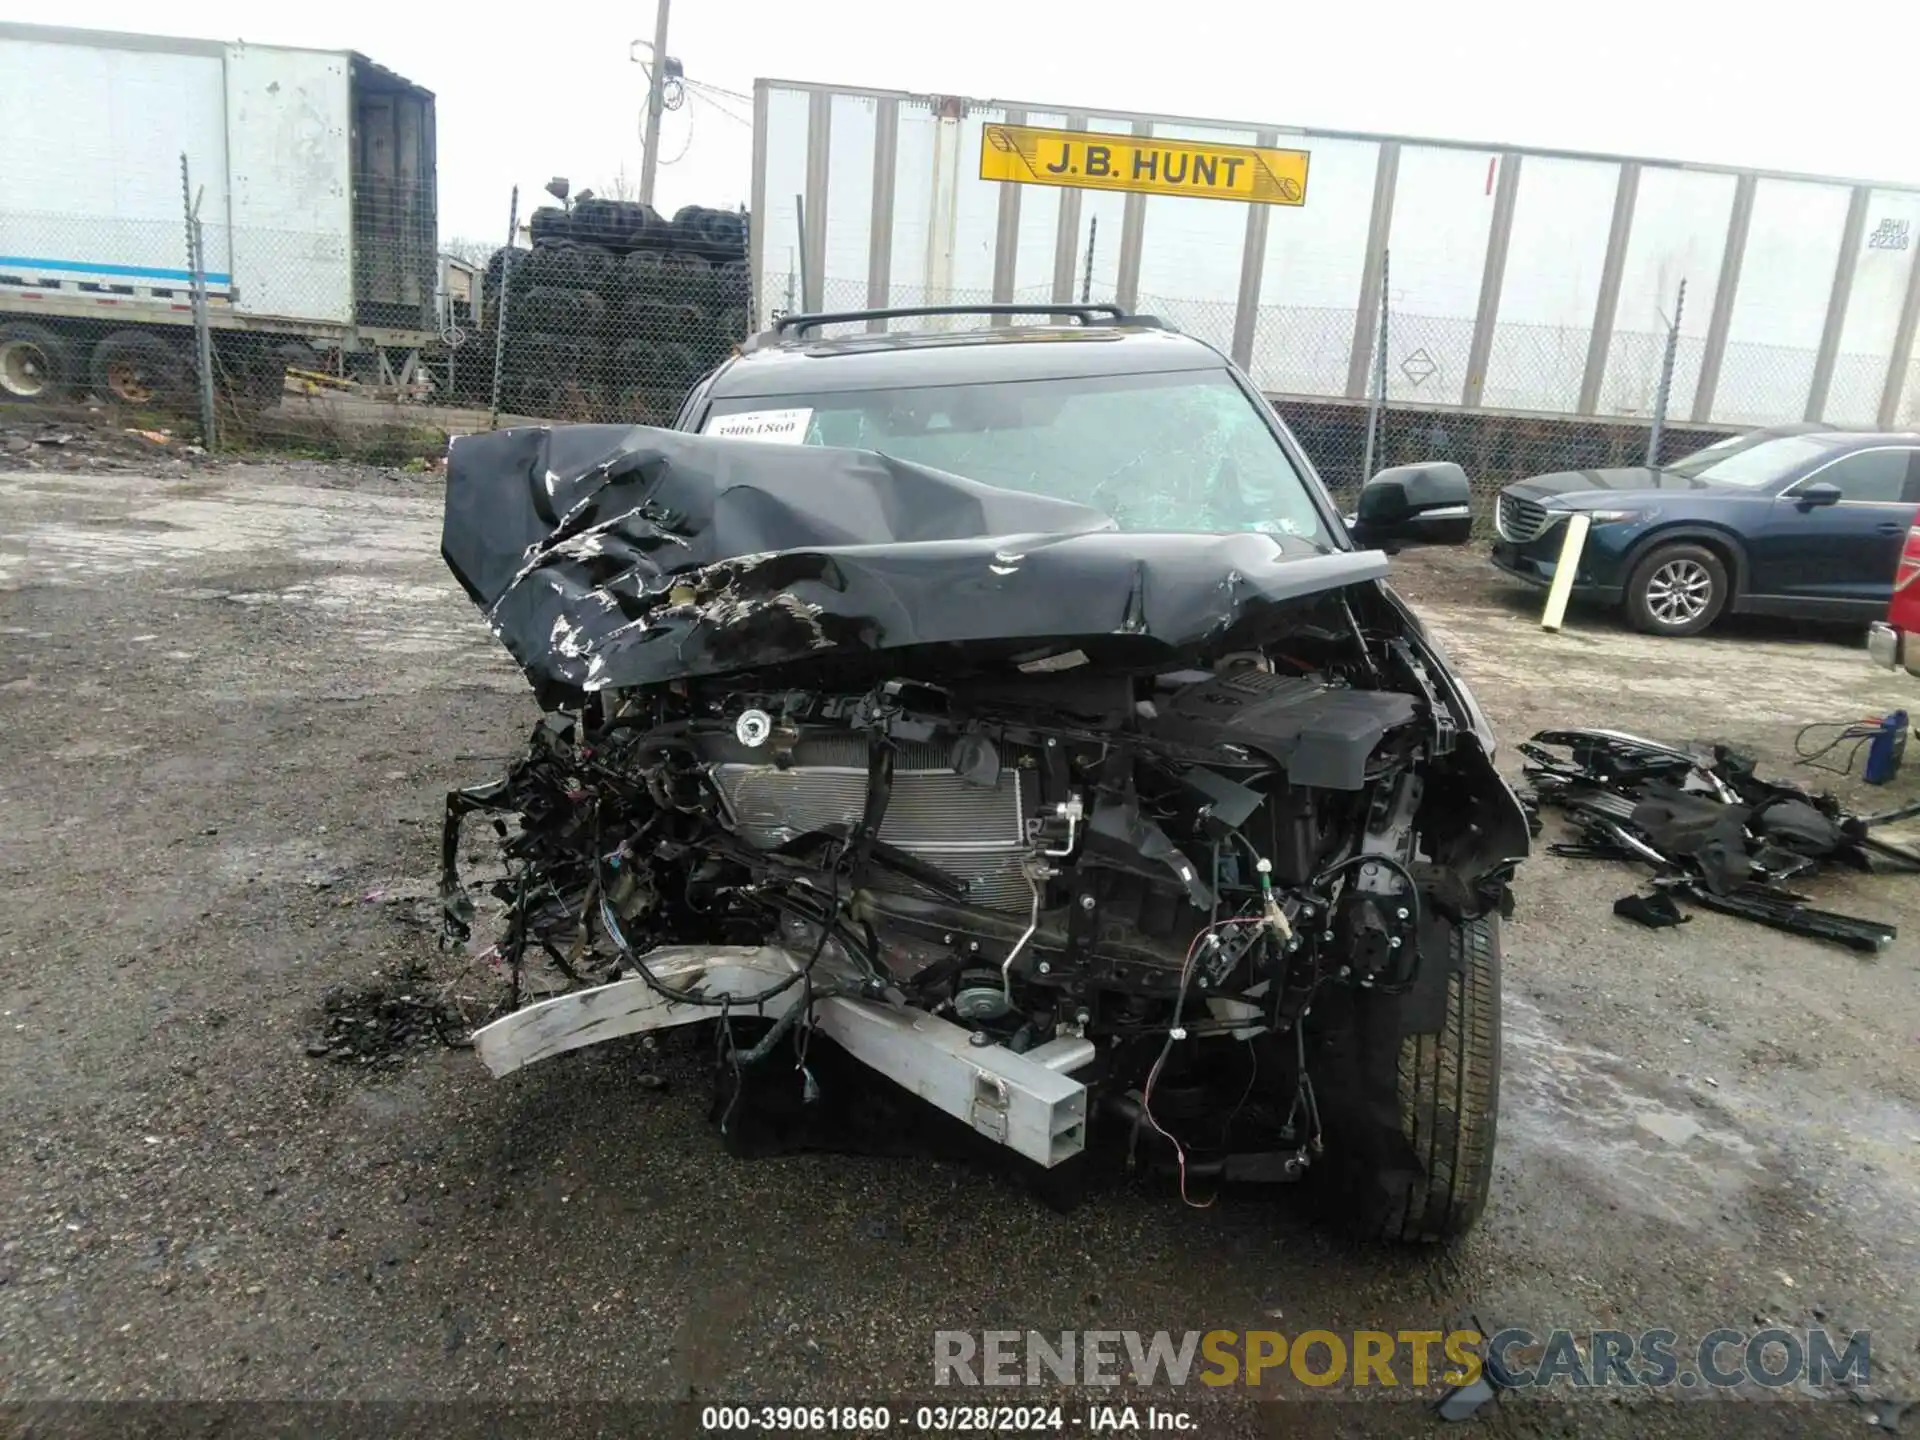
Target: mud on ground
{"x": 234, "y": 697}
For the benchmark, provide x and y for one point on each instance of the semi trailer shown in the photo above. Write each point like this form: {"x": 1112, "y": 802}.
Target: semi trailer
{"x": 1513, "y": 281}
{"x": 312, "y": 176}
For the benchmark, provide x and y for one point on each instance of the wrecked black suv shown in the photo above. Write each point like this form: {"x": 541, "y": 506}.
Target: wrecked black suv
{"x": 1005, "y": 710}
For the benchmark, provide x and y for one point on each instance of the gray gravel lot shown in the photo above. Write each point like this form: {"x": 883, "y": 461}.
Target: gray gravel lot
{"x": 233, "y": 699}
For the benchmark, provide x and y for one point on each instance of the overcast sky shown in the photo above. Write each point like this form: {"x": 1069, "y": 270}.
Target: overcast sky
{"x": 552, "y": 91}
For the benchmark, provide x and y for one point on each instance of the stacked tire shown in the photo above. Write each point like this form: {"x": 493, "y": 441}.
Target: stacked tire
{"x": 615, "y": 310}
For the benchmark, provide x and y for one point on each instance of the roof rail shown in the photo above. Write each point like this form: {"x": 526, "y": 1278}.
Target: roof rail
{"x": 1087, "y": 314}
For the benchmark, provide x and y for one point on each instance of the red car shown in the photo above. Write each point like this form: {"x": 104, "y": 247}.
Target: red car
{"x": 1895, "y": 641}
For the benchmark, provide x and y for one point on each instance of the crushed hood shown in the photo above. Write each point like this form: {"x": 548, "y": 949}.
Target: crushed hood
{"x": 607, "y": 556}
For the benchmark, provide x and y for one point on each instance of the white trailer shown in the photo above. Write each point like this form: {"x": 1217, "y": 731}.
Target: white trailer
{"x": 314, "y": 176}
{"x": 1518, "y": 281}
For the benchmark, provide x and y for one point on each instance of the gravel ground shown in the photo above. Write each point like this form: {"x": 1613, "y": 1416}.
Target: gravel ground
{"x": 234, "y": 696}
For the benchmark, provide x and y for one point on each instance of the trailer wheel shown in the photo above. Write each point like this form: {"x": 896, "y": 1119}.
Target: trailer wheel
{"x": 35, "y": 364}
{"x": 134, "y": 367}
{"x": 252, "y": 381}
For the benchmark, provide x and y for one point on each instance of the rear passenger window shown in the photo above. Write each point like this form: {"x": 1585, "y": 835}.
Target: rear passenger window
{"x": 1871, "y": 475}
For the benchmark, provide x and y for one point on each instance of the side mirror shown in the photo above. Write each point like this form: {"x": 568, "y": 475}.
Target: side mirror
{"x": 1816, "y": 495}
{"x": 1426, "y": 504}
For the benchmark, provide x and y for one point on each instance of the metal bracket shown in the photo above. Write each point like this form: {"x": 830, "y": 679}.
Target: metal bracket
{"x": 1024, "y": 1102}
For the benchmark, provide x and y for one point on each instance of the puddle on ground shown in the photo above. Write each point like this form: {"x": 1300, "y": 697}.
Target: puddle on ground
{"x": 155, "y": 530}
{"x": 407, "y": 619}
{"x": 1756, "y": 681}
{"x": 1672, "y": 1128}
{"x": 383, "y": 614}
{"x": 1587, "y": 1109}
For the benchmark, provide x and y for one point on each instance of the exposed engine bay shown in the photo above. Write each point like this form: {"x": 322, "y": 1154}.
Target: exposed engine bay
{"x": 1172, "y": 840}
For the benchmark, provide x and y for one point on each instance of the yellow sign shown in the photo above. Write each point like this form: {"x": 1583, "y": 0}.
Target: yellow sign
{"x": 1027, "y": 155}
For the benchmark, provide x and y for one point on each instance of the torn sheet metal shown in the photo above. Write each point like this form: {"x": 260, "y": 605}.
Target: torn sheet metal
{"x": 607, "y": 556}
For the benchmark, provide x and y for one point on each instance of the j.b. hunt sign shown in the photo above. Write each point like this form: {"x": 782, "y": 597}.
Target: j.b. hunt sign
{"x": 1030, "y": 155}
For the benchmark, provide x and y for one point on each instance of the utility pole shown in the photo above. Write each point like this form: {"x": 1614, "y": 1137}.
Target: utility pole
{"x": 656, "y": 98}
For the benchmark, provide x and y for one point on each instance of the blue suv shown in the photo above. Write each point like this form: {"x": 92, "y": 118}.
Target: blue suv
{"x": 1798, "y": 520}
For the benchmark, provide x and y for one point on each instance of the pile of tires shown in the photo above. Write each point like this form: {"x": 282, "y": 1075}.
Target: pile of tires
{"x": 615, "y": 310}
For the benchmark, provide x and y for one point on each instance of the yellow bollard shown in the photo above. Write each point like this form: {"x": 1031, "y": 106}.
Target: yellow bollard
{"x": 1562, "y": 588}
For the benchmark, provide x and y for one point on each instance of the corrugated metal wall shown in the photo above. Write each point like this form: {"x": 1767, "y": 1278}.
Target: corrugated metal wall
{"x": 1516, "y": 280}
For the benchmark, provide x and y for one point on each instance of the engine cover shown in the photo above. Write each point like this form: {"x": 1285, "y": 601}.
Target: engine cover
{"x": 1323, "y": 734}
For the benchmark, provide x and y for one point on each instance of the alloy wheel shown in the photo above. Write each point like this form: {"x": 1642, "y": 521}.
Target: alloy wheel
{"x": 1679, "y": 592}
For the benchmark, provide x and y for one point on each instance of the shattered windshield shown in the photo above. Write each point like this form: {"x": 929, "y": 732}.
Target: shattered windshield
{"x": 1183, "y": 451}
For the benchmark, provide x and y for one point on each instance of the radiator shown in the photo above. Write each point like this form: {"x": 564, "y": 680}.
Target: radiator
{"x": 974, "y": 833}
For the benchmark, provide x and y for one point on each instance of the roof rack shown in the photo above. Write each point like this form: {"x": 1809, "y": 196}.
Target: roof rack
{"x": 1088, "y": 314}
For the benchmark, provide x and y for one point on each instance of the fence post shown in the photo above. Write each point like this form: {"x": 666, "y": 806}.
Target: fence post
{"x": 1377, "y": 396}
{"x": 202, "y": 330}
{"x": 809, "y": 299}
{"x": 1665, "y": 388}
{"x": 500, "y": 311}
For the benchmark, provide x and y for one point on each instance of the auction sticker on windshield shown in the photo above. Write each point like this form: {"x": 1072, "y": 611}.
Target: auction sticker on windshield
{"x": 775, "y": 427}
{"x": 1029, "y": 155}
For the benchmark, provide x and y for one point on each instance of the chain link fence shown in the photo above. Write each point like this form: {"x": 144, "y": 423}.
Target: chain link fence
{"x": 121, "y": 330}
{"x": 614, "y": 310}
{"x": 368, "y": 342}
{"x": 362, "y": 339}
{"x": 195, "y": 327}
{"x": 1301, "y": 354}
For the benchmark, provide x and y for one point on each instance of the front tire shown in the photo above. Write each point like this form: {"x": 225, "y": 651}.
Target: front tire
{"x": 1677, "y": 590}
{"x": 1410, "y": 1087}
{"x": 1450, "y": 1100}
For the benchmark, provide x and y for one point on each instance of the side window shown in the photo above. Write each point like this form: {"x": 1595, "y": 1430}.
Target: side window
{"x": 1870, "y": 475}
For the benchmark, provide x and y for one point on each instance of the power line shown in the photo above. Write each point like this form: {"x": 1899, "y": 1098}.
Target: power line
{"x": 721, "y": 90}
{"x": 713, "y": 96}
{"x": 698, "y": 91}
{"x": 685, "y": 147}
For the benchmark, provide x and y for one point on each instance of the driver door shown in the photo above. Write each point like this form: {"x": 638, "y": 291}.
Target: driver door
{"x": 1843, "y": 556}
